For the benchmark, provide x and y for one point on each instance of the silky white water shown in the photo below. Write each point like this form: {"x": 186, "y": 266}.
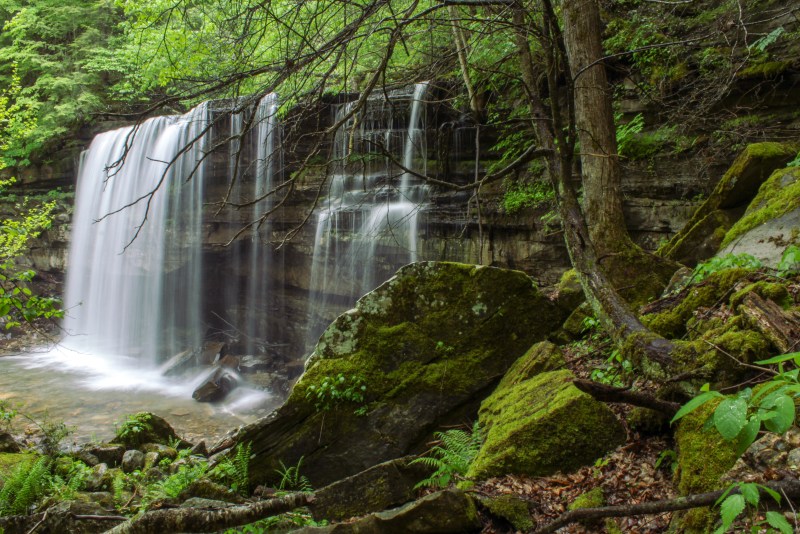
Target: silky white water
{"x": 368, "y": 225}
{"x": 135, "y": 291}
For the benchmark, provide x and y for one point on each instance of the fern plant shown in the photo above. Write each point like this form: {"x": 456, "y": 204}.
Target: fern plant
{"x": 292, "y": 480}
{"x": 451, "y": 457}
{"x": 28, "y": 482}
{"x": 173, "y": 485}
{"x": 234, "y": 470}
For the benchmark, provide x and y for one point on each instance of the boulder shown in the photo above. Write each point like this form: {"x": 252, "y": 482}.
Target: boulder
{"x": 426, "y": 346}
{"x": 217, "y": 386}
{"x": 132, "y": 460}
{"x": 543, "y": 425}
{"x": 771, "y": 221}
{"x": 145, "y": 427}
{"x": 107, "y": 453}
{"x": 179, "y": 363}
{"x": 8, "y": 443}
{"x": 439, "y": 513}
{"x": 378, "y": 488}
{"x": 696, "y": 241}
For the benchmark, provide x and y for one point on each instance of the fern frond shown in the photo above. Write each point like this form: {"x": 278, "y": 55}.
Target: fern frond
{"x": 451, "y": 457}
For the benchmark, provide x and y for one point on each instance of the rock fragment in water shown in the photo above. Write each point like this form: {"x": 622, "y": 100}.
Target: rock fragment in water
{"x": 216, "y": 387}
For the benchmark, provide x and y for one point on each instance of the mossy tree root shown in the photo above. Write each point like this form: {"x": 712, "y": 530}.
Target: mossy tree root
{"x": 210, "y": 520}
{"x": 790, "y": 489}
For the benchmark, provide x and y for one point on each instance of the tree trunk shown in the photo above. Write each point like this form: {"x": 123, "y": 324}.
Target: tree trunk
{"x": 639, "y": 275}
{"x": 645, "y": 348}
{"x": 594, "y": 121}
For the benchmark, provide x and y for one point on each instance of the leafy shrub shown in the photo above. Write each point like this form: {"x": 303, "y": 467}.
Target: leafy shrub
{"x": 133, "y": 428}
{"x": 520, "y": 196}
{"x": 334, "y": 391}
{"x": 626, "y": 132}
{"x": 451, "y": 457}
{"x": 720, "y": 263}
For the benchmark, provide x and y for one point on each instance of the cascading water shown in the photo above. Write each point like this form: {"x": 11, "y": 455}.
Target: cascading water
{"x": 253, "y": 164}
{"x": 134, "y": 267}
{"x": 369, "y": 224}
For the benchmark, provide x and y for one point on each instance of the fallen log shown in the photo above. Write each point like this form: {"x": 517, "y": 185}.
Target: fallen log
{"x": 606, "y": 393}
{"x": 781, "y": 328}
{"x": 790, "y": 489}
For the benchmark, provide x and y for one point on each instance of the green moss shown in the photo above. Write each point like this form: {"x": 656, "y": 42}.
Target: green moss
{"x": 703, "y": 458}
{"x": 774, "y": 291}
{"x": 766, "y": 69}
{"x": 574, "y": 325}
{"x": 716, "y": 353}
{"x": 569, "y": 291}
{"x": 540, "y": 358}
{"x": 512, "y": 509}
{"x": 593, "y": 498}
{"x": 671, "y": 323}
{"x": 427, "y": 341}
{"x": 779, "y": 195}
{"x": 541, "y": 426}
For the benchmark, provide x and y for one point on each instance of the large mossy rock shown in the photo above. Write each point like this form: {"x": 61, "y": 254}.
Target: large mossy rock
{"x": 543, "y": 425}
{"x": 771, "y": 222}
{"x": 428, "y": 344}
{"x": 705, "y": 231}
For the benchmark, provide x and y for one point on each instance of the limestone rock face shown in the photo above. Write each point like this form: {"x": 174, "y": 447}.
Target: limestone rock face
{"x": 706, "y": 229}
{"x": 543, "y": 425}
{"x": 423, "y": 349}
{"x": 771, "y": 222}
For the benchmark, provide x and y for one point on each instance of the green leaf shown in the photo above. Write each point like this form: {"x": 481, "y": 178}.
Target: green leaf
{"x": 730, "y": 509}
{"x": 778, "y": 359}
{"x": 778, "y": 521}
{"x": 750, "y": 493}
{"x": 748, "y": 434}
{"x": 730, "y": 417}
{"x": 784, "y": 410}
{"x": 695, "y": 403}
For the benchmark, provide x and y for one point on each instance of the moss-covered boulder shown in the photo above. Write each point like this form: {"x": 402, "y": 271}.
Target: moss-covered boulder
{"x": 724, "y": 205}
{"x": 704, "y": 456}
{"x": 543, "y": 425}
{"x": 771, "y": 222}
{"x": 510, "y": 508}
{"x": 419, "y": 352}
{"x": 444, "y": 512}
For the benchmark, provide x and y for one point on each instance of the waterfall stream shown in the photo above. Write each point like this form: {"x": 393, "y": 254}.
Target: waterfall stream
{"x": 369, "y": 223}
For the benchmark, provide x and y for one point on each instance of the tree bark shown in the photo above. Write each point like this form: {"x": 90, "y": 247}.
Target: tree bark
{"x": 210, "y": 520}
{"x": 594, "y": 121}
{"x": 782, "y": 329}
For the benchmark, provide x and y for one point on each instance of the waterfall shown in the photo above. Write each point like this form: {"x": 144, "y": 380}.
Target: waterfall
{"x": 136, "y": 275}
{"x": 368, "y": 225}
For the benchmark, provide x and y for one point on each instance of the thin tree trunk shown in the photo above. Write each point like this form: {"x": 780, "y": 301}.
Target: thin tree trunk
{"x": 638, "y": 343}
{"x": 594, "y": 120}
